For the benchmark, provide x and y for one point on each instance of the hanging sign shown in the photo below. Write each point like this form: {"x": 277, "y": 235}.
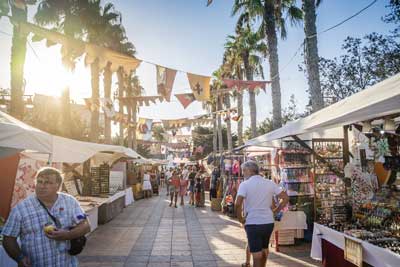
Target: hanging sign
{"x": 353, "y": 251}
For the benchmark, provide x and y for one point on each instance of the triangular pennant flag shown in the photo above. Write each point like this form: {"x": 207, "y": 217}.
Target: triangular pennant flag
{"x": 185, "y": 99}
{"x": 108, "y": 107}
{"x": 165, "y": 81}
{"x": 200, "y": 86}
{"x": 251, "y": 85}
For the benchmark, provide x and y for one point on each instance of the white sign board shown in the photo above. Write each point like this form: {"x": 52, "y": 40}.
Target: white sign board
{"x": 116, "y": 181}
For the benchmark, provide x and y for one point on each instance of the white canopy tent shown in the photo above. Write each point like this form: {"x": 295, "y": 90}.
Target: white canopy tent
{"x": 379, "y": 100}
{"x": 16, "y": 134}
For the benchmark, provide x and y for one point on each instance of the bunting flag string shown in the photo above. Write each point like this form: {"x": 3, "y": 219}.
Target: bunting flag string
{"x": 165, "y": 81}
{"x": 144, "y": 129}
{"x": 72, "y": 48}
{"x": 108, "y": 107}
{"x": 185, "y": 99}
{"x": 140, "y": 100}
{"x": 200, "y": 86}
{"x": 241, "y": 85}
{"x": 91, "y": 105}
{"x": 166, "y": 144}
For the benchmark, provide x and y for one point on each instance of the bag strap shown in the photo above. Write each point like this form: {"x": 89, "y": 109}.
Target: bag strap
{"x": 54, "y": 219}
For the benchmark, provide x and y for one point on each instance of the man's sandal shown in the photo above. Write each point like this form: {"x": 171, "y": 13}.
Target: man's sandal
{"x": 246, "y": 264}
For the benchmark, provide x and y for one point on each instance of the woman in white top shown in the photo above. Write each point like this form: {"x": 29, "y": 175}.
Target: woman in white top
{"x": 147, "y": 189}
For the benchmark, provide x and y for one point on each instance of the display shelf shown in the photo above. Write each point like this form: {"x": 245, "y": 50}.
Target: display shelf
{"x": 330, "y": 190}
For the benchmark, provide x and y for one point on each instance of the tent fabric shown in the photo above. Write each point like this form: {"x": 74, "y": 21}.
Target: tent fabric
{"x": 18, "y": 135}
{"x": 379, "y": 100}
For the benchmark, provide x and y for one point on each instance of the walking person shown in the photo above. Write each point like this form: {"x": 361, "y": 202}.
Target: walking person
{"x": 174, "y": 188}
{"x": 192, "y": 182}
{"x": 147, "y": 188}
{"x": 42, "y": 244}
{"x": 168, "y": 176}
{"x": 162, "y": 179}
{"x": 257, "y": 194}
{"x": 183, "y": 188}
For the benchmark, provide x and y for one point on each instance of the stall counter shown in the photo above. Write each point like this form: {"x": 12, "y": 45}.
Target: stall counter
{"x": 373, "y": 255}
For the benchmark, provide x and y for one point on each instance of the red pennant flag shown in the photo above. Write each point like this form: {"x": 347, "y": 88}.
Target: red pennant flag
{"x": 165, "y": 81}
{"x": 185, "y": 99}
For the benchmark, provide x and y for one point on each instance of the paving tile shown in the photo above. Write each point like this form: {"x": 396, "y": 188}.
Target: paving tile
{"x": 149, "y": 233}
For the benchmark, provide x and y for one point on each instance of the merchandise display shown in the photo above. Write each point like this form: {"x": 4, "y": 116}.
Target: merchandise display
{"x": 331, "y": 198}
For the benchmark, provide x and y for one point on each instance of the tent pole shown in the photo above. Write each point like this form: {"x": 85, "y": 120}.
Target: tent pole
{"x": 318, "y": 157}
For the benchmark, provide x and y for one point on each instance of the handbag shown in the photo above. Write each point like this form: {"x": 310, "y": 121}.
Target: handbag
{"x": 77, "y": 244}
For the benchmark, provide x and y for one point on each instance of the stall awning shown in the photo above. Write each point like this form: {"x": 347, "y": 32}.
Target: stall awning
{"x": 18, "y": 135}
{"x": 379, "y": 100}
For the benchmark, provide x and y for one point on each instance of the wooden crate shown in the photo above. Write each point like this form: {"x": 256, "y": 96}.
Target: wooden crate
{"x": 286, "y": 237}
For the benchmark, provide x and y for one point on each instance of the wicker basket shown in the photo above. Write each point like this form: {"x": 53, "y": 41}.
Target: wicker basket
{"x": 216, "y": 204}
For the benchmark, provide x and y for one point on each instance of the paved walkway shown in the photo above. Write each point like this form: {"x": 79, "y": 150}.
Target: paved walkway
{"x": 149, "y": 233}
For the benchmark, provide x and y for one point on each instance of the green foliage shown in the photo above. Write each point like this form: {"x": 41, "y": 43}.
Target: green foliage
{"x": 290, "y": 113}
{"x": 158, "y": 131}
{"x": 143, "y": 150}
{"x": 203, "y": 136}
{"x": 4, "y": 8}
{"x": 365, "y": 62}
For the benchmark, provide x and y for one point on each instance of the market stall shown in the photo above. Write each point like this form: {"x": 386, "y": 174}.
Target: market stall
{"x": 356, "y": 177}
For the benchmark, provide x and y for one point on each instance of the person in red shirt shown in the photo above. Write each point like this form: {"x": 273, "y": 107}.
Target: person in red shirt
{"x": 174, "y": 188}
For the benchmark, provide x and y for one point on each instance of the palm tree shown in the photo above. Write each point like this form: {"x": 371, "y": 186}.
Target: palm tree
{"x": 250, "y": 47}
{"x": 133, "y": 89}
{"x": 18, "y": 53}
{"x": 311, "y": 53}
{"x": 99, "y": 24}
{"x": 233, "y": 68}
{"x": 127, "y": 48}
{"x": 273, "y": 14}
{"x": 116, "y": 34}
{"x": 224, "y": 99}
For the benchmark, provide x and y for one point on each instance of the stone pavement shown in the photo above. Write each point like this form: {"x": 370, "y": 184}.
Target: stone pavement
{"x": 150, "y": 233}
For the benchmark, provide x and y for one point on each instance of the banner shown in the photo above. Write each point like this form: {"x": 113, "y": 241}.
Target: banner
{"x": 165, "y": 81}
{"x": 185, "y": 99}
{"x": 140, "y": 100}
{"x": 143, "y": 129}
{"x": 91, "y": 105}
{"x": 200, "y": 86}
{"x": 108, "y": 107}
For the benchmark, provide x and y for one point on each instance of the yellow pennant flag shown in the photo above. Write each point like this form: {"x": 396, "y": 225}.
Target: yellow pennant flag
{"x": 200, "y": 86}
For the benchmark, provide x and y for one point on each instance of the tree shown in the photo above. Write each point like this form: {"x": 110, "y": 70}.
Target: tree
{"x": 311, "y": 53}
{"x": 19, "y": 13}
{"x": 250, "y": 47}
{"x": 232, "y": 67}
{"x": 394, "y": 15}
{"x": 290, "y": 113}
{"x": 273, "y": 14}
{"x": 158, "y": 132}
{"x": 100, "y": 25}
{"x": 365, "y": 62}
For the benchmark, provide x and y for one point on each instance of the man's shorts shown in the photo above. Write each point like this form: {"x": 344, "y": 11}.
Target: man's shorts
{"x": 258, "y": 236}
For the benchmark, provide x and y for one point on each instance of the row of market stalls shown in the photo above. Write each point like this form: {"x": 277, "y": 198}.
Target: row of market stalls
{"x": 103, "y": 178}
{"x": 341, "y": 169}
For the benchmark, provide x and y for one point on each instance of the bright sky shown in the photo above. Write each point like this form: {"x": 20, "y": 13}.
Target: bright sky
{"x": 189, "y": 36}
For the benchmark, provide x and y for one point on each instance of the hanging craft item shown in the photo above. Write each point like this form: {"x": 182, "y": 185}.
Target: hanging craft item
{"x": 200, "y": 86}
{"x": 108, "y": 107}
{"x": 185, "y": 99}
{"x": 165, "y": 81}
{"x": 92, "y": 106}
{"x": 144, "y": 127}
